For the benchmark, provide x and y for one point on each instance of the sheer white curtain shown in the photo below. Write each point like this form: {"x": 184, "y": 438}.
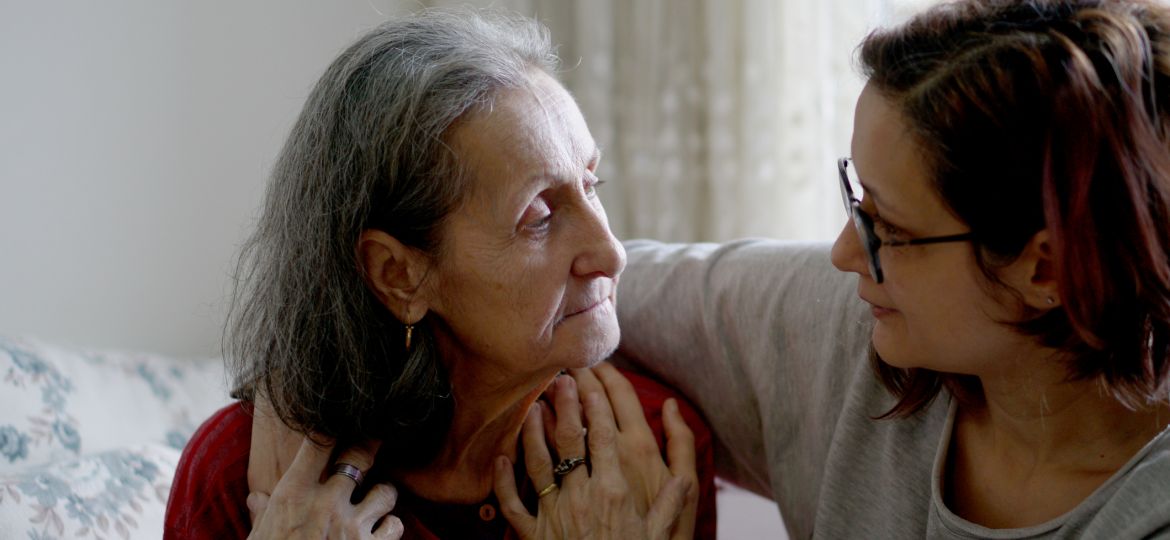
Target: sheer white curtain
{"x": 718, "y": 119}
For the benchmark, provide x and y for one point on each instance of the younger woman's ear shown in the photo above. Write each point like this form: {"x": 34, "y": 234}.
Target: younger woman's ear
{"x": 1033, "y": 274}
{"x": 393, "y": 271}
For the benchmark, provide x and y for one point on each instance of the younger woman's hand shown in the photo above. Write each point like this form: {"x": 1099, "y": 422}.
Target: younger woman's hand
{"x": 312, "y": 499}
{"x": 602, "y": 503}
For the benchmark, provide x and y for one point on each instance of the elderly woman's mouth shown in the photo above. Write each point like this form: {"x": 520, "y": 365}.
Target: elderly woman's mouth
{"x": 602, "y": 303}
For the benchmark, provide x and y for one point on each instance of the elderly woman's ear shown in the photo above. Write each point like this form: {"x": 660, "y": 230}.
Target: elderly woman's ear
{"x": 394, "y": 272}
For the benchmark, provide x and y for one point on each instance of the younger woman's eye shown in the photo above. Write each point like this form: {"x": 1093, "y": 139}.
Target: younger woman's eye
{"x": 889, "y": 231}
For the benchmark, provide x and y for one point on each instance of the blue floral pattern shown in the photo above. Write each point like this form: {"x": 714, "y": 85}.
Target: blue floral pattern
{"x": 107, "y": 495}
{"x": 178, "y": 439}
{"x": 28, "y": 371}
{"x": 160, "y": 390}
{"x": 67, "y": 435}
{"x": 13, "y": 444}
{"x": 89, "y": 441}
{"x": 46, "y": 391}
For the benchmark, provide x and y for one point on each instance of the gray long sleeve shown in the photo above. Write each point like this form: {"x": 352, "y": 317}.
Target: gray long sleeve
{"x": 770, "y": 341}
{"x": 741, "y": 329}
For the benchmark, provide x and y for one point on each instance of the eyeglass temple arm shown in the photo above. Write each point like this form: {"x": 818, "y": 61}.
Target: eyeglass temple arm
{"x": 931, "y": 240}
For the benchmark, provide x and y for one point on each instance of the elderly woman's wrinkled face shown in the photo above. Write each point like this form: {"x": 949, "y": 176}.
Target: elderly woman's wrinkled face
{"x": 528, "y": 268}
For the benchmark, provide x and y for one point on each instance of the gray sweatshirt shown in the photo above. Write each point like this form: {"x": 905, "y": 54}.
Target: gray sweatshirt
{"x": 770, "y": 342}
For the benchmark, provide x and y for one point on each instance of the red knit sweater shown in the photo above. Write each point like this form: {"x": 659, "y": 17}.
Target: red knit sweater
{"x": 207, "y": 498}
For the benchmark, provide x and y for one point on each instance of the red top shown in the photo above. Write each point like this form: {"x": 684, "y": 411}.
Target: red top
{"x": 208, "y": 496}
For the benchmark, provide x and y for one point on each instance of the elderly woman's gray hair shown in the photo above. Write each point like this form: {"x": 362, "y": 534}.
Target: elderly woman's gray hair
{"x": 367, "y": 152}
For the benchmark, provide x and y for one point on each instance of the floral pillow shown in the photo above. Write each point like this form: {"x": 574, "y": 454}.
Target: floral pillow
{"x": 116, "y": 494}
{"x": 89, "y": 441}
{"x": 59, "y": 404}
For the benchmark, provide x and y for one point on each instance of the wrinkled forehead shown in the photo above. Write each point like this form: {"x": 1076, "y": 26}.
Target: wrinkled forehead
{"x": 531, "y": 130}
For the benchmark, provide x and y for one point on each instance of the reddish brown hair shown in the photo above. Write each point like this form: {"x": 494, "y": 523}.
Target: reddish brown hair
{"x": 1049, "y": 115}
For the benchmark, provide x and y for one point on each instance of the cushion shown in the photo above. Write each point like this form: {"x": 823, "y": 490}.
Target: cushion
{"x": 89, "y": 440}
{"x": 59, "y": 404}
{"x": 119, "y": 493}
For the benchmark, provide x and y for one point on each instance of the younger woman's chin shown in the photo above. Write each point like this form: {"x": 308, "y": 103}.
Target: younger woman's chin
{"x": 887, "y": 352}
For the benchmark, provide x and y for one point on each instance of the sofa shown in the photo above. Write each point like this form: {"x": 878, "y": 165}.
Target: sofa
{"x": 89, "y": 440}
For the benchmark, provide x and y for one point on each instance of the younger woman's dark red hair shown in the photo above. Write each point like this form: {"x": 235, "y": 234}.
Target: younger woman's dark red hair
{"x": 1050, "y": 115}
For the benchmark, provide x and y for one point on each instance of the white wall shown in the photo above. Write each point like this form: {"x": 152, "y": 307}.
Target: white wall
{"x": 135, "y": 140}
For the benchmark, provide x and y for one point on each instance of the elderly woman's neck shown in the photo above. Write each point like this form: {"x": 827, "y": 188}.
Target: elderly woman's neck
{"x": 489, "y": 412}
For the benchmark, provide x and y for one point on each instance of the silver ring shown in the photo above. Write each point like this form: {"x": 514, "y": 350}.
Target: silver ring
{"x": 349, "y": 471}
{"x": 567, "y": 465}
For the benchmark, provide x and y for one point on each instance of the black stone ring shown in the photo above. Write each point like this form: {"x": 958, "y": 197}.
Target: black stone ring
{"x": 567, "y": 465}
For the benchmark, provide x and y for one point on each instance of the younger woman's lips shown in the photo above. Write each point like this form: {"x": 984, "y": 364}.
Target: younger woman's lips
{"x": 878, "y": 311}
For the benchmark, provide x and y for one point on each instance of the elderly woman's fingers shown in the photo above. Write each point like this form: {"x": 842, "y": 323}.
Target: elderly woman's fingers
{"x": 550, "y": 391}
{"x": 587, "y": 381}
{"x": 570, "y": 432}
{"x": 536, "y": 456}
{"x": 348, "y": 471}
{"x": 510, "y": 504}
{"x": 391, "y": 528}
{"x": 377, "y": 503}
{"x": 680, "y": 453}
{"x": 549, "y": 421}
{"x": 626, "y": 406}
{"x": 603, "y": 450}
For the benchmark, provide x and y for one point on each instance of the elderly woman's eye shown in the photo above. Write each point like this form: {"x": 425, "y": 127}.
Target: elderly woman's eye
{"x": 541, "y": 223}
{"x": 591, "y": 186}
{"x": 537, "y": 216}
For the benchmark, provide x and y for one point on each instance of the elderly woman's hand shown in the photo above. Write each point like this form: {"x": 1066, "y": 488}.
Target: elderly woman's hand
{"x": 641, "y": 458}
{"x": 629, "y": 493}
{"x": 308, "y": 504}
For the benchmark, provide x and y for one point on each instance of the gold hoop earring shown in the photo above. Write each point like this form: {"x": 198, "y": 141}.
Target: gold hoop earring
{"x": 409, "y": 331}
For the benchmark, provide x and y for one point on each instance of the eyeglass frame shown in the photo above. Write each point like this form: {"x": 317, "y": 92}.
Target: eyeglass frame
{"x": 863, "y": 223}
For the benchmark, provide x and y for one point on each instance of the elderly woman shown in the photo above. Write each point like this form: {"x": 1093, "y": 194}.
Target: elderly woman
{"x": 1009, "y": 196}
{"x": 431, "y": 254}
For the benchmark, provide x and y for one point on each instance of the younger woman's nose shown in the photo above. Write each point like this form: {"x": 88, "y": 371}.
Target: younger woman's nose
{"x": 847, "y": 254}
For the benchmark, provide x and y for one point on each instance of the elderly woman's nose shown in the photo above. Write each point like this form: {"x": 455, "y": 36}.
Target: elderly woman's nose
{"x": 600, "y": 251}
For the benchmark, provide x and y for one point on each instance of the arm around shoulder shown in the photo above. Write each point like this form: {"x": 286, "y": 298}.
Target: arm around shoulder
{"x": 761, "y": 335}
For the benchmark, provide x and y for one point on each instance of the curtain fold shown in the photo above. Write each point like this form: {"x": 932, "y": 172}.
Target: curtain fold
{"x": 717, "y": 119}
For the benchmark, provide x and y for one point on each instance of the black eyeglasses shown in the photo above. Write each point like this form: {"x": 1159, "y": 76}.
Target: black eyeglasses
{"x": 851, "y": 184}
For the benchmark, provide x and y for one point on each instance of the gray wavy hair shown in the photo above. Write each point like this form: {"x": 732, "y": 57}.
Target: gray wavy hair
{"x": 367, "y": 151}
